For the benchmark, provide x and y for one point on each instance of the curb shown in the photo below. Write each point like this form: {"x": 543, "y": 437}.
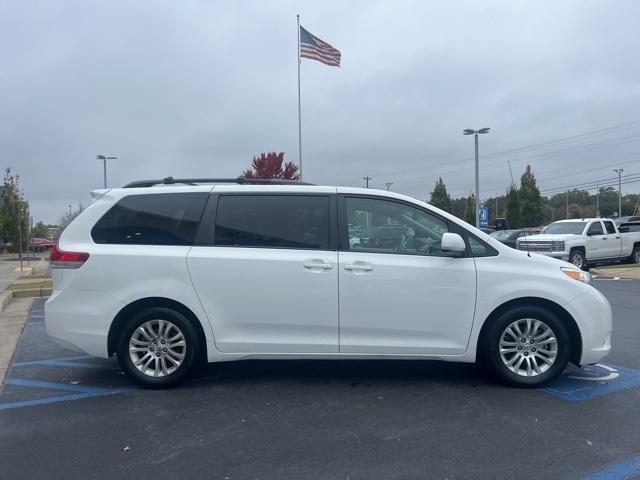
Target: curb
{"x": 604, "y": 273}
{"x": 5, "y": 299}
{"x": 32, "y": 292}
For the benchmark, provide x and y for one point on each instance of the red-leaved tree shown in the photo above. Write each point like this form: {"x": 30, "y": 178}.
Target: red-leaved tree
{"x": 270, "y": 165}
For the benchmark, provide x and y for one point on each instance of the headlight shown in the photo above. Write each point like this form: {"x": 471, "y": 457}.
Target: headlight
{"x": 557, "y": 246}
{"x": 577, "y": 274}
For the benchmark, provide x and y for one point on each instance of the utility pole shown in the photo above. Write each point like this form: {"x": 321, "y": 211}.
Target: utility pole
{"x": 388, "y": 184}
{"x": 69, "y": 210}
{"x": 366, "y": 179}
{"x": 20, "y": 235}
{"x": 470, "y": 131}
{"x": 597, "y": 199}
{"x": 619, "y": 172}
{"x": 496, "y": 214}
{"x": 567, "y": 204}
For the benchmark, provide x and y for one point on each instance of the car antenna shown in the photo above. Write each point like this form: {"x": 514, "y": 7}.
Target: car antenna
{"x": 513, "y": 184}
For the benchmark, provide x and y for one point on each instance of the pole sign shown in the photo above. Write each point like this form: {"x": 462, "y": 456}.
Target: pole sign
{"x": 484, "y": 216}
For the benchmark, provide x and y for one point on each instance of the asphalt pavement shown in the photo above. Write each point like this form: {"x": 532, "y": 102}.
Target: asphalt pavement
{"x": 64, "y": 415}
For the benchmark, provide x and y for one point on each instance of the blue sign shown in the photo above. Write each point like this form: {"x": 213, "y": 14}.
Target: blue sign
{"x": 484, "y": 216}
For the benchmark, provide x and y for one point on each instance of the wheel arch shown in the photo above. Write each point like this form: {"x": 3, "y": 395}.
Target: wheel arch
{"x": 572, "y": 326}
{"x": 151, "y": 302}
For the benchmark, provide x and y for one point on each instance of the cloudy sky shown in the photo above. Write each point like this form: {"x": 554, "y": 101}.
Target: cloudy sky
{"x": 198, "y": 87}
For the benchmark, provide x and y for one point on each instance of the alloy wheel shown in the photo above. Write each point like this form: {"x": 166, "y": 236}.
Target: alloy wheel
{"x": 577, "y": 260}
{"x": 528, "y": 347}
{"x": 157, "y": 348}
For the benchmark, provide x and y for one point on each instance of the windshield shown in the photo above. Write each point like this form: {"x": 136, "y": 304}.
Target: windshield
{"x": 571, "y": 228}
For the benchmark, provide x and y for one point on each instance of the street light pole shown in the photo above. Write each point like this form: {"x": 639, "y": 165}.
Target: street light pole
{"x": 470, "y": 131}
{"x": 619, "y": 172}
{"x": 104, "y": 159}
{"x": 388, "y": 184}
{"x": 366, "y": 179}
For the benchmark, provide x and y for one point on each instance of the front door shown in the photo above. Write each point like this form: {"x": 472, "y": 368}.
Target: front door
{"x": 399, "y": 292}
{"x": 268, "y": 279}
{"x": 597, "y": 245}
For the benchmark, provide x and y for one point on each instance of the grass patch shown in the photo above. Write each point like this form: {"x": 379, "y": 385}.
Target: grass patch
{"x": 34, "y": 277}
{"x": 28, "y": 286}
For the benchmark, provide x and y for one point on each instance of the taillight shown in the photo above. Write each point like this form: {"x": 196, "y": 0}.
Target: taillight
{"x": 61, "y": 259}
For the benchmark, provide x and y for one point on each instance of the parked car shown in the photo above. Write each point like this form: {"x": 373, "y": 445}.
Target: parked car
{"x": 620, "y": 220}
{"x": 487, "y": 230}
{"x": 629, "y": 227}
{"x": 169, "y": 274}
{"x": 584, "y": 242}
{"x": 509, "y": 237}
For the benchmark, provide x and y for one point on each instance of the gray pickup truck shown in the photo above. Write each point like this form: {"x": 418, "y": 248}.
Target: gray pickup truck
{"x": 584, "y": 242}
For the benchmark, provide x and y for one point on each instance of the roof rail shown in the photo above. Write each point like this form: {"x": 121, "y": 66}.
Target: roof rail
{"x": 196, "y": 181}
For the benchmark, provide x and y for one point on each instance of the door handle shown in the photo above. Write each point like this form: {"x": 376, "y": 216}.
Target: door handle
{"x": 311, "y": 264}
{"x": 358, "y": 267}
{"x": 604, "y": 238}
{"x": 617, "y": 238}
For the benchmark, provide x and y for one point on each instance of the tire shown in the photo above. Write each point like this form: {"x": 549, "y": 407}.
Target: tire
{"x": 576, "y": 256}
{"x": 547, "y": 328}
{"x": 635, "y": 255}
{"x": 159, "y": 365}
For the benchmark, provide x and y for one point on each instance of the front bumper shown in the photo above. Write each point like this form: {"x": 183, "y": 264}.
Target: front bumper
{"x": 592, "y": 313}
{"x": 80, "y": 320}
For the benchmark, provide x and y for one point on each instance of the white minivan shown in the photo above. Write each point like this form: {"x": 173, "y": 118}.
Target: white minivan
{"x": 170, "y": 274}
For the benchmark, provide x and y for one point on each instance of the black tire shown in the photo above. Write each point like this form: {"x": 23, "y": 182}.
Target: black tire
{"x": 577, "y": 258}
{"x": 490, "y": 346}
{"x": 190, "y": 350}
{"x": 635, "y": 255}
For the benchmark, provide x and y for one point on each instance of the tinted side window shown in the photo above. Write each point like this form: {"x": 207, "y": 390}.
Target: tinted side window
{"x": 595, "y": 229}
{"x": 153, "y": 219}
{"x": 382, "y": 226}
{"x": 610, "y": 228}
{"x": 273, "y": 221}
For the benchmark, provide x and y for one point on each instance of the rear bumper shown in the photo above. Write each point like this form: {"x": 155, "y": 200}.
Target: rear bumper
{"x": 592, "y": 313}
{"x": 81, "y": 320}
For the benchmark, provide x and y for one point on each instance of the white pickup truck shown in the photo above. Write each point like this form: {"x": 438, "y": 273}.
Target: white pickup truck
{"x": 583, "y": 242}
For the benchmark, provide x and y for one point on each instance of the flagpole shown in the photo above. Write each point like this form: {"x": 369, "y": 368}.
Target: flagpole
{"x": 299, "y": 105}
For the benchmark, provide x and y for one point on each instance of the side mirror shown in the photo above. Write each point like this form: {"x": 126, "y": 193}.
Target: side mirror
{"x": 452, "y": 242}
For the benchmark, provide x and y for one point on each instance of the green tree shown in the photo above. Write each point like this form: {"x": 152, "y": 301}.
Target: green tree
{"x": 14, "y": 212}
{"x": 470, "y": 210}
{"x": 68, "y": 217}
{"x": 440, "y": 198}
{"x": 40, "y": 230}
{"x": 531, "y": 201}
{"x": 514, "y": 208}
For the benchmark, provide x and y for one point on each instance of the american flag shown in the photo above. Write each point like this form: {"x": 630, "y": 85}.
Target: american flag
{"x": 314, "y": 48}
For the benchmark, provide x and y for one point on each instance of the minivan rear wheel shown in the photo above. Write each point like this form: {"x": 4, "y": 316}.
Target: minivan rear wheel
{"x": 527, "y": 346}
{"x": 157, "y": 347}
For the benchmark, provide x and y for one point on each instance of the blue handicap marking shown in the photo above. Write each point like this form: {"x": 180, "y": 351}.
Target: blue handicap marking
{"x": 593, "y": 381}
{"x": 618, "y": 471}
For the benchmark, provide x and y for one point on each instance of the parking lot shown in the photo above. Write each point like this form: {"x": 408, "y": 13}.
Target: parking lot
{"x": 65, "y": 415}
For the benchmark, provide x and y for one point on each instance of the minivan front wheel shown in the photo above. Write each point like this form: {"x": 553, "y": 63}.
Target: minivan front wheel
{"x": 157, "y": 347}
{"x": 527, "y": 346}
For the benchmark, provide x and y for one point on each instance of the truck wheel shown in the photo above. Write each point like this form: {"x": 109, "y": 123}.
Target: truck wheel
{"x": 635, "y": 255}
{"x": 577, "y": 258}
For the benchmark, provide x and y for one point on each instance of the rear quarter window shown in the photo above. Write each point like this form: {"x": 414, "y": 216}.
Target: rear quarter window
{"x": 152, "y": 219}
